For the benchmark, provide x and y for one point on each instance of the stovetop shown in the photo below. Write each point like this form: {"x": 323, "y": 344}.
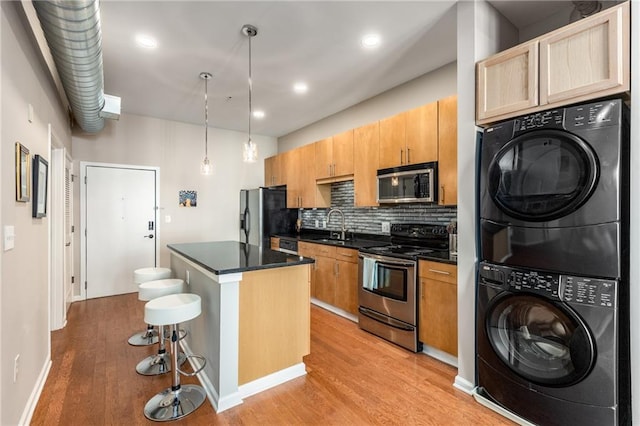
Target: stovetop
{"x": 410, "y": 240}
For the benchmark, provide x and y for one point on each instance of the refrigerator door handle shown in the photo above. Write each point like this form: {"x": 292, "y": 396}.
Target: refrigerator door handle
{"x": 247, "y": 224}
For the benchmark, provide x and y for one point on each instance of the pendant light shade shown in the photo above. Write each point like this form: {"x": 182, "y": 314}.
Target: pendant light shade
{"x": 205, "y": 167}
{"x": 250, "y": 149}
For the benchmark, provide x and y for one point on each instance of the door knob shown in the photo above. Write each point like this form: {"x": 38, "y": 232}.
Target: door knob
{"x": 149, "y": 236}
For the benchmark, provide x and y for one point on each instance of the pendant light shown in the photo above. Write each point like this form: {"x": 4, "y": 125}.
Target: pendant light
{"x": 250, "y": 149}
{"x": 206, "y": 167}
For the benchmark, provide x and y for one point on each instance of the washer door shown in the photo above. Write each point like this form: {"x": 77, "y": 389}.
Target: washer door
{"x": 543, "y": 342}
{"x": 542, "y": 175}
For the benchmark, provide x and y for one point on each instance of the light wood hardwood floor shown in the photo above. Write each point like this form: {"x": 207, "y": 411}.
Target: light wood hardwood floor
{"x": 353, "y": 378}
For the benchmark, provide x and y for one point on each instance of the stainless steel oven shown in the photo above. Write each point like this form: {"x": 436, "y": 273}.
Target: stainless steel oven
{"x": 387, "y": 298}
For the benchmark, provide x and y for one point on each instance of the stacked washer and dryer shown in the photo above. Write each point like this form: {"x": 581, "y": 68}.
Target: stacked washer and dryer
{"x": 552, "y": 338}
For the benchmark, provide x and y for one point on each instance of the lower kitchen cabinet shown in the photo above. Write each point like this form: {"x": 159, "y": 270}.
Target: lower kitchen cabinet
{"x": 438, "y": 326}
{"x": 346, "y": 292}
{"x": 334, "y": 276}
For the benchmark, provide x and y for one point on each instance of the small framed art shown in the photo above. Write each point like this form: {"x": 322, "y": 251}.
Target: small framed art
{"x": 40, "y": 180}
{"x": 23, "y": 175}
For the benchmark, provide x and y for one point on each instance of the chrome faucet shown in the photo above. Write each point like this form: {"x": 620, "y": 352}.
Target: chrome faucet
{"x": 343, "y": 230}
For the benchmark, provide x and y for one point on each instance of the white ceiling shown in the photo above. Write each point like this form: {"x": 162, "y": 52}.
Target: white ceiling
{"x": 313, "y": 41}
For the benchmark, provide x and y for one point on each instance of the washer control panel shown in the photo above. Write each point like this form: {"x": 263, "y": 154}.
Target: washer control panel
{"x": 565, "y": 288}
{"x": 589, "y": 291}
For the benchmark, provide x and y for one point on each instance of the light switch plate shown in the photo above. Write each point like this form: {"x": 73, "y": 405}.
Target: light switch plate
{"x": 9, "y": 237}
{"x": 386, "y": 227}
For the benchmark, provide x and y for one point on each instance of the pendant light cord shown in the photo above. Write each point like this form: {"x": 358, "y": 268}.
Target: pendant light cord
{"x": 250, "y": 87}
{"x": 206, "y": 117}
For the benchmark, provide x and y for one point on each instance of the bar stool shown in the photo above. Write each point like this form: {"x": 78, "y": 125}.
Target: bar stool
{"x": 142, "y": 275}
{"x": 178, "y": 400}
{"x": 160, "y": 362}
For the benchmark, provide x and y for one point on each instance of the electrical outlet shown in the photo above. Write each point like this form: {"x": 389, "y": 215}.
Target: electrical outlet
{"x": 186, "y": 279}
{"x": 16, "y": 365}
{"x": 386, "y": 227}
{"x": 317, "y": 223}
{"x": 324, "y": 223}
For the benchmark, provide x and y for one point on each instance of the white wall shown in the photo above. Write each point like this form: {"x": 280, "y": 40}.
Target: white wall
{"x": 24, "y": 290}
{"x": 177, "y": 149}
{"x": 430, "y": 87}
{"x": 482, "y": 31}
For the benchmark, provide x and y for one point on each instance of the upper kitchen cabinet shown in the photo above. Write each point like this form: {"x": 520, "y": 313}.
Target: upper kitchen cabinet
{"x": 585, "y": 60}
{"x": 393, "y": 132}
{"x": 274, "y": 171}
{"x": 410, "y": 137}
{"x": 448, "y": 151}
{"x": 334, "y": 158}
{"x": 422, "y": 134}
{"x": 366, "y": 147}
{"x": 302, "y": 191}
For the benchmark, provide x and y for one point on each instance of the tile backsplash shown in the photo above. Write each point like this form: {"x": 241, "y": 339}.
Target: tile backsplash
{"x": 368, "y": 220}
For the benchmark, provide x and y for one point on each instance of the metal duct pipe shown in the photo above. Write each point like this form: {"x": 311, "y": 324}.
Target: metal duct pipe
{"x": 72, "y": 30}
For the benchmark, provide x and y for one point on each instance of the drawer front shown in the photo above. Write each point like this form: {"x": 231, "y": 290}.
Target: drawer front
{"x": 438, "y": 271}
{"x": 275, "y": 243}
{"x": 306, "y": 249}
{"x": 346, "y": 255}
{"x": 325, "y": 250}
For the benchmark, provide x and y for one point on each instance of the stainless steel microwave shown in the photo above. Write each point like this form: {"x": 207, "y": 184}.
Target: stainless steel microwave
{"x": 415, "y": 183}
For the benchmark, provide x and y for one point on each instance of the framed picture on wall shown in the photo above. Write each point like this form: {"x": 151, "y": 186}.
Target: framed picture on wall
{"x": 23, "y": 175}
{"x": 40, "y": 174}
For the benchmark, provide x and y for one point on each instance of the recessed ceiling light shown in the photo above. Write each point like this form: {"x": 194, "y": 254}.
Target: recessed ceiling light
{"x": 300, "y": 87}
{"x": 258, "y": 114}
{"x": 146, "y": 41}
{"x": 370, "y": 41}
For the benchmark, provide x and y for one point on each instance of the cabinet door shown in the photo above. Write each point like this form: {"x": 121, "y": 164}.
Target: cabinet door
{"x": 422, "y": 134}
{"x": 307, "y": 180}
{"x": 507, "y": 82}
{"x": 343, "y": 153}
{"x": 275, "y": 243}
{"x": 291, "y": 162}
{"x": 366, "y": 149}
{"x": 587, "y": 59}
{"x": 308, "y": 250}
{"x": 323, "y": 158}
{"x": 325, "y": 278}
{"x": 438, "y": 325}
{"x": 346, "y": 296}
{"x": 269, "y": 170}
{"x": 393, "y": 141}
{"x": 448, "y": 151}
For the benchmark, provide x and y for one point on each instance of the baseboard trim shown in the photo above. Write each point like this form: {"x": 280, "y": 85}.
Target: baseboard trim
{"x": 500, "y": 410}
{"x": 337, "y": 311}
{"x": 32, "y": 402}
{"x": 272, "y": 380}
{"x": 440, "y": 355}
{"x": 464, "y": 385}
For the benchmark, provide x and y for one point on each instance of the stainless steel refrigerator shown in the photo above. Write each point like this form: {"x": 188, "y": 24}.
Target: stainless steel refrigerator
{"x": 264, "y": 212}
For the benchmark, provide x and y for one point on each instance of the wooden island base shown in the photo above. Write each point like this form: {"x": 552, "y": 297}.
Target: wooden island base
{"x": 254, "y": 329}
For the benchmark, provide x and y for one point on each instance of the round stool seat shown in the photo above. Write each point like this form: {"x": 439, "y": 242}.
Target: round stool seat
{"x": 172, "y": 309}
{"x": 153, "y": 289}
{"x": 150, "y": 274}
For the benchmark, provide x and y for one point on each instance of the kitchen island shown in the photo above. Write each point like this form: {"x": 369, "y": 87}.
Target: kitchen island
{"x": 254, "y": 328}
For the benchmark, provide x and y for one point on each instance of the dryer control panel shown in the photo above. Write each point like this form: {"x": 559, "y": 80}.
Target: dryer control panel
{"x": 565, "y": 288}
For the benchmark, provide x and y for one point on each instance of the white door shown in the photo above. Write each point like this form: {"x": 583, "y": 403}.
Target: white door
{"x": 120, "y": 227}
{"x": 68, "y": 234}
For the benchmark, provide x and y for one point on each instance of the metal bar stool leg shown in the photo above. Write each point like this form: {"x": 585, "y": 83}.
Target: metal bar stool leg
{"x": 159, "y": 363}
{"x": 179, "y": 400}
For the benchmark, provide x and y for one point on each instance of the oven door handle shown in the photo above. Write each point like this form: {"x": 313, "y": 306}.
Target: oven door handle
{"x": 385, "y": 319}
{"x": 387, "y": 261}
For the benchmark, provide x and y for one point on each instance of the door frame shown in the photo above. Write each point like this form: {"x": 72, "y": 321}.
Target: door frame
{"x": 83, "y": 215}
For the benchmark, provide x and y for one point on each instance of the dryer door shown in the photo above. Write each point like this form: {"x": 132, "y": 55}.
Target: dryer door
{"x": 542, "y": 175}
{"x": 541, "y": 341}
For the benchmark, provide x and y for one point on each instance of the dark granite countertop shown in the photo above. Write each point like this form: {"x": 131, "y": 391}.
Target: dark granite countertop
{"x": 358, "y": 241}
{"x": 227, "y": 257}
